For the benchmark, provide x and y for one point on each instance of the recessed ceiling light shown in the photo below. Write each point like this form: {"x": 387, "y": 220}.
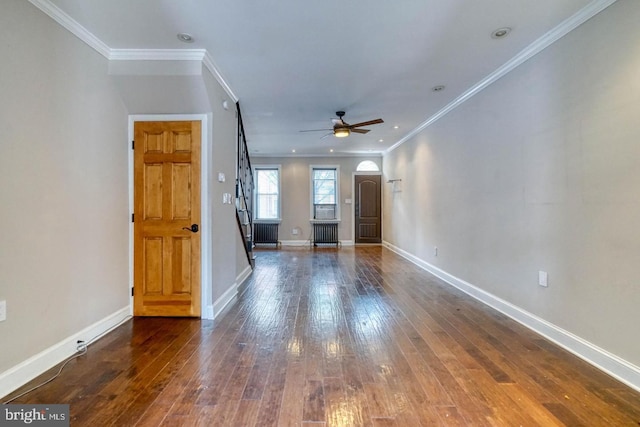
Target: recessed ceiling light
{"x": 396, "y": 127}
{"x": 381, "y": 140}
{"x": 293, "y": 151}
{"x": 501, "y": 33}
{"x": 184, "y": 37}
{"x": 438, "y": 88}
{"x": 331, "y": 150}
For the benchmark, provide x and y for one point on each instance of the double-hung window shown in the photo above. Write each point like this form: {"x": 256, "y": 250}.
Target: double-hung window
{"x": 267, "y": 182}
{"x": 325, "y": 196}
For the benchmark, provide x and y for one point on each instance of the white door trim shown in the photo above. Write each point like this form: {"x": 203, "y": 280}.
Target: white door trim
{"x": 206, "y": 239}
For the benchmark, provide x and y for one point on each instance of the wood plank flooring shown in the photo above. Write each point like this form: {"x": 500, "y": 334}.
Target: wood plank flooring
{"x": 328, "y": 337}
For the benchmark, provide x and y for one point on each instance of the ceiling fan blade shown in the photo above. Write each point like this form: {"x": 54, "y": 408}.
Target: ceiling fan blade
{"x": 370, "y": 122}
{"x": 360, "y": 130}
{"x": 324, "y": 136}
{"x": 314, "y": 130}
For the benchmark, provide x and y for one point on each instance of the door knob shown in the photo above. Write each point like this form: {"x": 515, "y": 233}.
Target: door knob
{"x": 193, "y": 228}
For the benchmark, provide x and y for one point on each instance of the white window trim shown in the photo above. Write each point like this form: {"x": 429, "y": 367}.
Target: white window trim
{"x": 255, "y": 196}
{"x": 337, "y": 168}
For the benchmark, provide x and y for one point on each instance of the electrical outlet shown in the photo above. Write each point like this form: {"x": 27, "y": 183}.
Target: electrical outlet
{"x": 543, "y": 279}
{"x": 435, "y": 251}
{"x": 294, "y": 231}
{"x": 3, "y": 311}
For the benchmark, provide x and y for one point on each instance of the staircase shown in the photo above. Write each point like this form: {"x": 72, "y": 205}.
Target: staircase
{"x": 244, "y": 191}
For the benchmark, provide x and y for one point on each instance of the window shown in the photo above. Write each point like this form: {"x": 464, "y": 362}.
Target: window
{"x": 267, "y": 192}
{"x": 367, "y": 166}
{"x": 324, "y": 187}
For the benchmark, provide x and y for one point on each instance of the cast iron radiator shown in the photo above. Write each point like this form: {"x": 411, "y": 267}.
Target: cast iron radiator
{"x": 265, "y": 233}
{"x": 325, "y": 233}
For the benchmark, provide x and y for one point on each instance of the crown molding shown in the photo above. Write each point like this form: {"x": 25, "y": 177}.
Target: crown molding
{"x": 586, "y": 13}
{"x": 533, "y": 49}
{"x": 156, "y": 54}
{"x": 55, "y": 13}
{"x": 375, "y": 154}
{"x": 174, "y": 55}
{"x": 208, "y": 62}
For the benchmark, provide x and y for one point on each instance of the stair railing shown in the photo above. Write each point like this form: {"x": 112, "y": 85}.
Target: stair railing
{"x": 244, "y": 190}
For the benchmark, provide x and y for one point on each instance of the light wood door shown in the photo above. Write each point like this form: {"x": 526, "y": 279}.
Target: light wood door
{"x": 368, "y": 209}
{"x": 166, "y": 205}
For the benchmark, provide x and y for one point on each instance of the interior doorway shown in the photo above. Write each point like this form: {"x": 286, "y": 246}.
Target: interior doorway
{"x": 367, "y": 209}
{"x": 167, "y": 212}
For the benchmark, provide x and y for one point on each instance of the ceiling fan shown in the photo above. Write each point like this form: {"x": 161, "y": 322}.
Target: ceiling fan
{"x": 343, "y": 129}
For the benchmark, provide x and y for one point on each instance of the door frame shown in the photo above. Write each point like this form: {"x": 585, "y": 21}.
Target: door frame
{"x": 206, "y": 290}
{"x": 353, "y": 203}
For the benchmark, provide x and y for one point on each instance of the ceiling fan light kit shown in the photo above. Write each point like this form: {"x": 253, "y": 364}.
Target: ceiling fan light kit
{"x": 341, "y": 133}
{"x": 342, "y": 129}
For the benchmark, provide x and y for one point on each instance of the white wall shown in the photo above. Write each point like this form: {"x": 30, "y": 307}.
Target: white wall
{"x": 63, "y": 193}
{"x": 193, "y": 89}
{"x": 296, "y": 192}
{"x": 224, "y": 161}
{"x": 161, "y": 87}
{"x": 540, "y": 171}
{"x": 64, "y": 213}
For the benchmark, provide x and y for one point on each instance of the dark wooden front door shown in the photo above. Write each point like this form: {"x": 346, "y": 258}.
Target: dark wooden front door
{"x": 368, "y": 209}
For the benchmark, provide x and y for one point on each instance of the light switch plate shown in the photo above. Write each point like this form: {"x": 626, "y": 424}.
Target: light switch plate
{"x": 3, "y": 311}
{"x": 543, "y": 279}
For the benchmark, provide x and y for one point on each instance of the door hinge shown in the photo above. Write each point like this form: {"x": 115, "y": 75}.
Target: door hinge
{"x": 132, "y": 217}
{"x": 132, "y": 291}
{"x": 133, "y": 145}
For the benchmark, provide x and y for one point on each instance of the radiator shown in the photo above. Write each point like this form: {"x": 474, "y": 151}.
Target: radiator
{"x": 325, "y": 233}
{"x": 265, "y": 233}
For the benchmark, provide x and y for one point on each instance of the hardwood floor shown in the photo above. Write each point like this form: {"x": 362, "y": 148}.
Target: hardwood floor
{"x": 326, "y": 337}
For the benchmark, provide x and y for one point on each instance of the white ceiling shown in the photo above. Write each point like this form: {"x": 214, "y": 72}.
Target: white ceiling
{"x": 294, "y": 63}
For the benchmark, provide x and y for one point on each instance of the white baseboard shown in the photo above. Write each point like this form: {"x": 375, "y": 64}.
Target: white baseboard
{"x": 295, "y": 243}
{"x": 24, "y": 372}
{"x": 207, "y": 313}
{"x": 613, "y": 365}
{"x": 308, "y": 244}
{"x": 213, "y": 311}
{"x": 225, "y": 299}
{"x": 244, "y": 275}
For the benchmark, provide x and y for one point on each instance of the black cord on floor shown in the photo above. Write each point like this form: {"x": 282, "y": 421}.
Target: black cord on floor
{"x": 82, "y": 350}
{"x": 75, "y": 356}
